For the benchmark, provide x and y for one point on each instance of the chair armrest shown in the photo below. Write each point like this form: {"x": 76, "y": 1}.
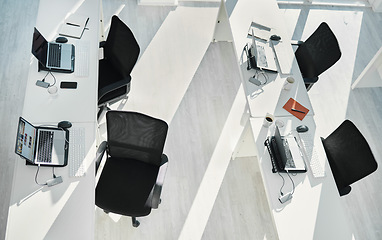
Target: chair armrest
{"x": 100, "y": 152}
{"x": 156, "y": 192}
{"x": 310, "y": 80}
{"x": 296, "y": 42}
{"x": 113, "y": 86}
{"x": 102, "y": 44}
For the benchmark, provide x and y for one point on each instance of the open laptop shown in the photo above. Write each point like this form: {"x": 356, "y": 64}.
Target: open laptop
{"x": 43, "y": 146}
{"x": 288, "y": 154}
{"x": 56, "y": 57}
{"x": 264, "y": 56}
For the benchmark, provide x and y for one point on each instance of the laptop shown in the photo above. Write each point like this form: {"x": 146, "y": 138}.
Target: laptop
{"x": 55, "y": 57}
{"x": 289, "y": 157}
{"x": 264, "y": 56}
{"x": 43, "y": 146}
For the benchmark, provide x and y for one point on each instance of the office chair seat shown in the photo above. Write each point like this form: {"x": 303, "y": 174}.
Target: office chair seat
{"x": 349, "y": 155}
{"x": 121, "y": 52}
{"x": 133, "y": 174}
{"x": 317, "y": 54}
{"x": 124, "y": 173}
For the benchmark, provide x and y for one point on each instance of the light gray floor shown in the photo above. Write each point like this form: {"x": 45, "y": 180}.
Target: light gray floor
{"x": 197, "y": 123}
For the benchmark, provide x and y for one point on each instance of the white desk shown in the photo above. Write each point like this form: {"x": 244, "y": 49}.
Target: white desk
{"x": 315, "y": 211}
{"x": 64, "y": 211}
{"x": 269, "y": 98}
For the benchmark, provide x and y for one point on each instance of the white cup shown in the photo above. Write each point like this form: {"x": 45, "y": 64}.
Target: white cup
{"x": 288, "y": 83}
{"x": 268, "y": 120}
{"x": 52, "y": 89}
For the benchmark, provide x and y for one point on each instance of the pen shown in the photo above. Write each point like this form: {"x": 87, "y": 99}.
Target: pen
{"x": 297, "y": 110}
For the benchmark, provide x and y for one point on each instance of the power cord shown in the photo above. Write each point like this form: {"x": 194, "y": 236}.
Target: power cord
{"x": 287, "y": 196}
{"x": 51, "y": 182}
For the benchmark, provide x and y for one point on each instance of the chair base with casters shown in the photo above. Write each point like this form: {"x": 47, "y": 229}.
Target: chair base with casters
{"x": 349, "y": 155}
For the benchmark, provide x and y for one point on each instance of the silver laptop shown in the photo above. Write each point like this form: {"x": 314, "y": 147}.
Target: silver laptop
{"x": 56, "y": 57}
{"x": 264, "y": 56}
{"x": 290, "y": 153}
{"x": 43, "y": 146}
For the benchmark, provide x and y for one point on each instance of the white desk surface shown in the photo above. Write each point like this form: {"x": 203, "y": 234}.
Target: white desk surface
{"x": 269, "y": 98}
{"x": 64, "y": 211}
{"x": 315, "y": 211}
{"x": 75, "y": 105}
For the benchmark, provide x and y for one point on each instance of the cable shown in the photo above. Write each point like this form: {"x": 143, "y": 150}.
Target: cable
{"x": 291, "y": 181}
{"x": 260, "y": 72}
{"x": 281, "y": 192}
{"x": 53, "y": 78}
{"x": 35, "y": 178}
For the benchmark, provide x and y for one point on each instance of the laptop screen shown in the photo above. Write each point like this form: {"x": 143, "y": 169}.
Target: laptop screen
{"x": 280, "y": 146}
{"x": 39, "y": 47}
{"x": 26, "y": 138}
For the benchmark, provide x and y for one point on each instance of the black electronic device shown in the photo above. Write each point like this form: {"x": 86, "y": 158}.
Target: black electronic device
{"x": 64, "y": 124}
{"x": 302, "y": 128}
{"x": 61, "y": 40}
{"x": 275, "y": 38}
{"x": 42, "y": 84}
{"x": 69, "y": 85}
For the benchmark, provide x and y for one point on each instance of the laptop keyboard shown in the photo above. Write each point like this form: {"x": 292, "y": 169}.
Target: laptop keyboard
{"x": 45, "y": 145}
{"x": 54, "y": 55}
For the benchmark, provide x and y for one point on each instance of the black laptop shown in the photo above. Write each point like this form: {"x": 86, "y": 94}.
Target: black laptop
{"x": 52, "y": 56}
{"x": 45, "y": 146}
{"x": 288, "y": 155}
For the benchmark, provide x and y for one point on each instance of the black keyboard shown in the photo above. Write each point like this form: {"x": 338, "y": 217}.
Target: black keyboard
{"x": 45, "y": 145}
{"x": 54, "y": 55}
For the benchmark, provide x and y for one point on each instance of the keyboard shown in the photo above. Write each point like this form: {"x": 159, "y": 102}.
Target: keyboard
{"x": 54, "y": 55}
{"x": 76, "y": 152}
{"x": 81, "y": 68}
{"x": 311, "y": 155}
{"x": 45, "y": 144}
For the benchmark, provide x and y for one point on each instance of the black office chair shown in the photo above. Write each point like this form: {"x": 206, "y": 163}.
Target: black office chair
{"x": 121, "y": 52}
{"x": 349, "y": 155}
{"x": 318, "y": 53}
{"x": 131, "y": 180}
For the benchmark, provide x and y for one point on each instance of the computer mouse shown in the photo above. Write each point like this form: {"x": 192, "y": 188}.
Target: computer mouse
{"x": 302, "y": 128}
{"x": 275, "y": 38}
{"x": 61, "y": 40}
{"x": 64, "y": 124}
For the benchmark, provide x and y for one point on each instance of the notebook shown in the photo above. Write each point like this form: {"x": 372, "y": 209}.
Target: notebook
{"x": 288, "y": 156}
{"x": 56, "y": 57}
{"x": 45, "y": 146}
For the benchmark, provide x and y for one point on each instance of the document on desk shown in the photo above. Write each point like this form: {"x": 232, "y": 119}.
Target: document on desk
{"x": 74, "y": 26}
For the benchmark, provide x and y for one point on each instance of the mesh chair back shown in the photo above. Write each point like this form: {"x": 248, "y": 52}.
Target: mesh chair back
{"x": 121, "y": 47}
{"x": 135, "y": 135}
{"x": 318, "y": 53}
{"x": 349, "y": 155}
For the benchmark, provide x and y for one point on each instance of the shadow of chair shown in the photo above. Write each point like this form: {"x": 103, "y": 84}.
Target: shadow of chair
{"x": 349, "y": 155}
{"x": 121, "y": 51}
{"x": 317, "y": 54}
{"x": 132, "y": 176}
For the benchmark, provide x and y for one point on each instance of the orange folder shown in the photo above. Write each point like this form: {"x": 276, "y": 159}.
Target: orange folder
{"x": 298, "y": 111}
